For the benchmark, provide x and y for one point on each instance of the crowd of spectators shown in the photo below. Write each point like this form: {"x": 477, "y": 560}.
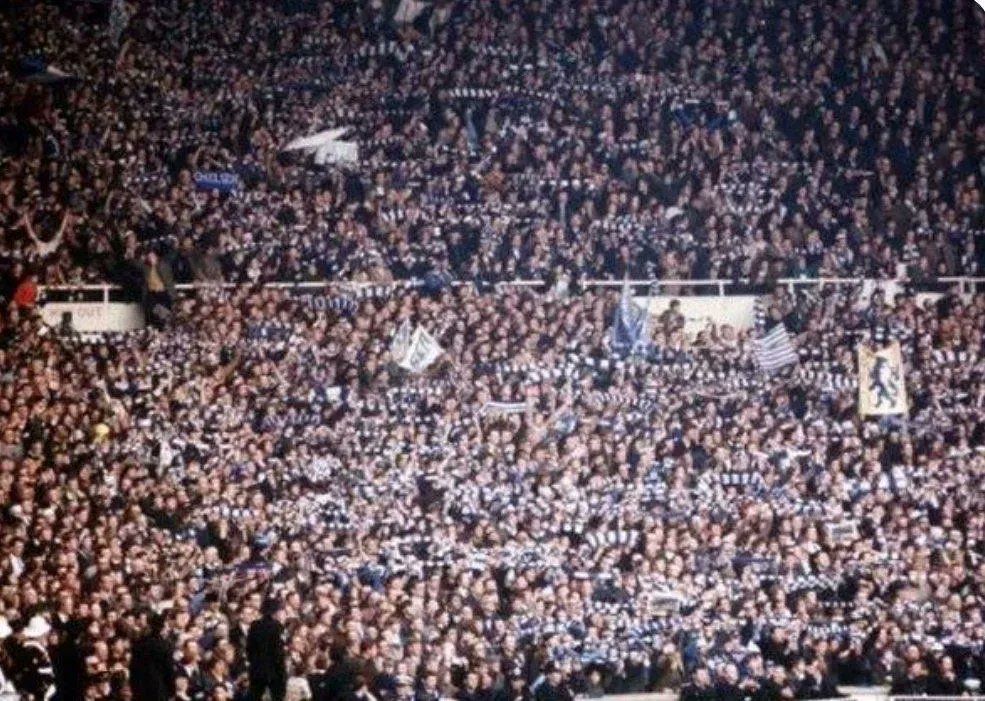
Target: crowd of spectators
{"x": 534, "y": 139}
{"x": 528, "y": 518}
{"x": 533, "y": 517}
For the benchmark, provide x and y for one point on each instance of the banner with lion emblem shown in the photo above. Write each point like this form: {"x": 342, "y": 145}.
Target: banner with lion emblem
{"x": 881, "y": 389}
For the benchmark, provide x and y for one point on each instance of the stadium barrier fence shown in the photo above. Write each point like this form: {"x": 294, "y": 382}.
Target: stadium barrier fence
{"x": 107, "y": 293}
{"x": 857, "y": 693}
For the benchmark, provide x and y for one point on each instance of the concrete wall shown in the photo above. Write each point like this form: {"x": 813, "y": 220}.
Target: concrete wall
{"x": 92, "y": 317}
{"x": 739, "y": 311}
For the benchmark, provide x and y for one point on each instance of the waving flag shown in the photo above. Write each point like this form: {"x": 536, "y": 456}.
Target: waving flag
{"x": 327, "y": 146}
{"x": 775, "y": 351}
{"x": 422, "y": 351}
{"x": 401, "y": 341}
{"x": 630, "y": 326}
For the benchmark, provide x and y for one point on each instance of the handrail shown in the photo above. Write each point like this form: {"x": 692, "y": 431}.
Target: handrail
{"x": 875, "y": 693}
{"x": 965, "y": 283}
{"x": 787, "y": 281}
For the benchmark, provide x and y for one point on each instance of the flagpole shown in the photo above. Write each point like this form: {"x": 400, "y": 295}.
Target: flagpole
{"x": 646, "y": 317}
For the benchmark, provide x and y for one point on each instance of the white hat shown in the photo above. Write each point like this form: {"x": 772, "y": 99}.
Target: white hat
{"x": 5, "y": 629}
{"x": 37, "y": 627}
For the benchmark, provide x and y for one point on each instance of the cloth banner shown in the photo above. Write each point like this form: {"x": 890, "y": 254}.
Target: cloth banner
{"x": 342, "y": 304}
{"x": 423, "y": 351}
{"x": 216, "y": 180}
{"x": 505, "y": 407}
{"x": 881, "y": 389}
{"x": 666, "y": 600}
{"x": 327, "y": 147}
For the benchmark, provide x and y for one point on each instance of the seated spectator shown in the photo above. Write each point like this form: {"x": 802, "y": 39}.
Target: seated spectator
{"x": 700, "y": 688}
{"x": 943, "y": 681}
{"x": 914, "y": 683}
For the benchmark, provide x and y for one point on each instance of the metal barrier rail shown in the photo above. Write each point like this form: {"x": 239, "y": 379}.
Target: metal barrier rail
{"x": 875, "y": 693}
{"x": 720, "y": 288}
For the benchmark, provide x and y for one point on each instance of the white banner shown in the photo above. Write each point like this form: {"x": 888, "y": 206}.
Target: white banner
{"x": 505, "y": 407}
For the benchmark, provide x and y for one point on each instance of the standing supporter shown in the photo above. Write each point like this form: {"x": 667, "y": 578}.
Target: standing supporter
{"x": 265, "y": 653}
{"x": 152, "y": 667}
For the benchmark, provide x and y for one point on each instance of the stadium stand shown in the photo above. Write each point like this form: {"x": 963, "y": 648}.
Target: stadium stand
{"x": 428, "y": 480}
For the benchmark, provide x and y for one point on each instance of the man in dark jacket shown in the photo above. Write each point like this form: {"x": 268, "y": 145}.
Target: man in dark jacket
{"x": 69, "y": 663}
{"x": 339, "y": 681}
{"x": 727, "y": 688}
{"x": 914, "y": 683}
{"x": 553, "y": 687}
{"x": 152, "y": 664}
{"x": 265, "y": 654}
{"x": 945, "y": 682}
{"x": 700, "y": 688}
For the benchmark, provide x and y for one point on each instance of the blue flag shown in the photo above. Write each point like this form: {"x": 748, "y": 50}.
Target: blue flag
{"x": 630, "y": 326}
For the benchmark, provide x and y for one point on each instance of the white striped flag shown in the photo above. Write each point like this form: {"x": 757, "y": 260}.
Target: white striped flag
{"x": 775, "y": 350}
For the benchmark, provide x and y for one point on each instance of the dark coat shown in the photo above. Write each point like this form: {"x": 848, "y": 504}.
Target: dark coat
{"x": 265, "y": 651}
{"x": 338, "y": 683}
{"x": 768, "y": 690}
{"x": 151, "y": 669}
{"x": 549, "y": 692}
{"x": 939, "y": 686}
{"x": 71, "y": 677}
{"x": 909, "y": 686}
{"x": 692, "y": 692}
{"x": 728, "y": 692}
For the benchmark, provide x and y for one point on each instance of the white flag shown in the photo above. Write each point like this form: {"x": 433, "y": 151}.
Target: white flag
{"x": 327, "y": 147}
{"x": 409, "y": 10}
{"x": 401, "y": 341}
{"x": 423, "y": 351}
